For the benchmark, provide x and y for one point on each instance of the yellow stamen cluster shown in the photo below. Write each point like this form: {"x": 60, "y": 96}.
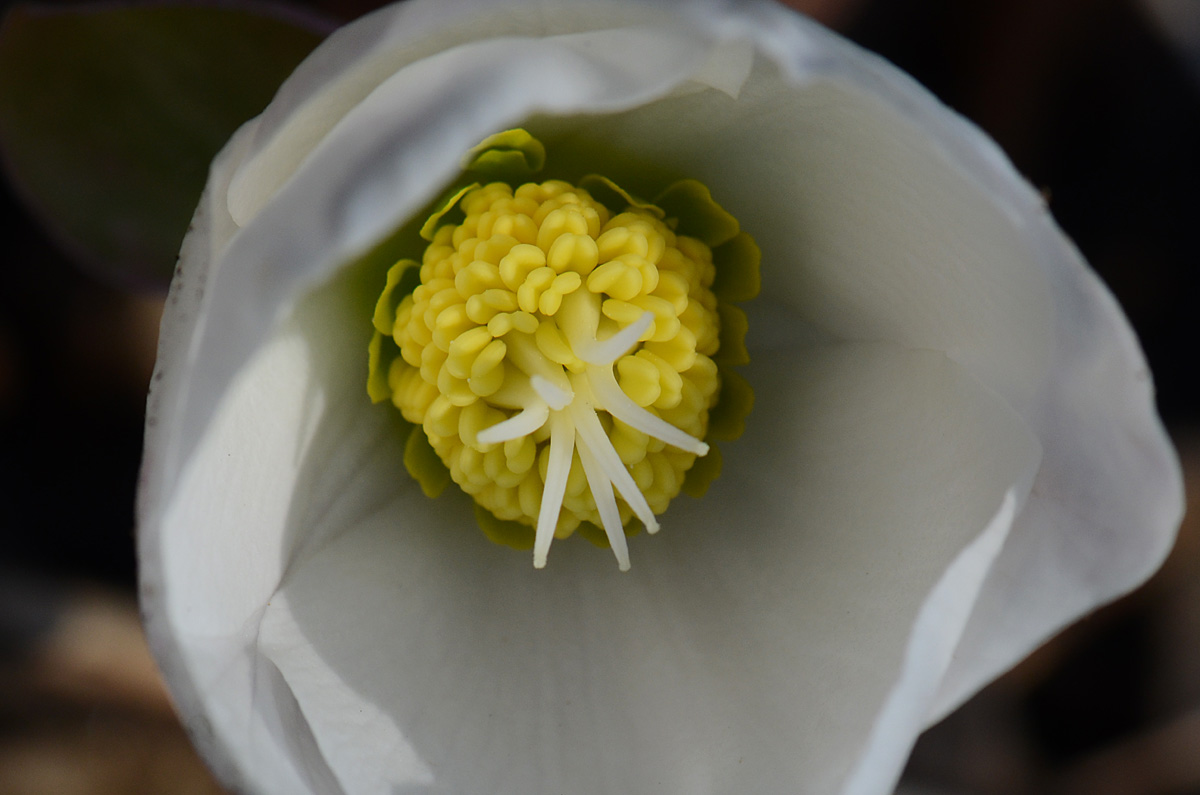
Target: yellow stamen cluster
{"x": 554, "y": 352}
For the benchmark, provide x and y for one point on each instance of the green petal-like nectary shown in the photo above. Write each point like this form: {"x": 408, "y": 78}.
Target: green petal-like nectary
{"x": 509, "y": 534}
{"x": 445, "y": 207}
{"x": 738, "y": 276}
{"x": 727, "y": 419}
{"x": 423, "y": 464}
{"x": 734, "y": 326}
{"x": 379, "y": 360}
{"x": 509, "y": 155}
{"x": 699, "y": 216}
{"x": 616, "y": 198}
{"x": 385, "y": 308}
{"x": 706, "y": 467}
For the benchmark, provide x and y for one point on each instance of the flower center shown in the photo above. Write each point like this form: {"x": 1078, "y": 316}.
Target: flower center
{"x": 557, "y": 356}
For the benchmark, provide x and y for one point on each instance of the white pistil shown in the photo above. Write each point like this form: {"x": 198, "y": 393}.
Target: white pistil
{"x": 606, "y": 352}
{"x": 571, "y": 402}
{"x": 611, "y": 398}
{"x": 524, "y": 423}
{"x": 590, "y": 434}
{"x": 555, "y": 396}
{"x": 562, "y": 448}
{"x": 606, "y": 505}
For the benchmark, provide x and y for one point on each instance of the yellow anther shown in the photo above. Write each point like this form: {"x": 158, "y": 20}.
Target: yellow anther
{"x": 520, "y": 454}
{"x": 566, "y": 220}
{"x": 520, "y": 261}
{"x": 441, "y": 419}
{"x": 666, "y": 324}
{"x": 669, "y": 380}
{"x": 432, "y": 359}
{"x": 672, "y": 287}
{"x": 455, "y": 389}
{"x": 544, "y": 326}
{"x": 554, "y": 346}
{"x": 477, "y": 277}
{"x": 623, "y": 312}
{"x": 465, "y": 348}
{"x": 630, "y": 443}
{"x": 679, "y": 353}
{"x": 639, "y": 379}
{"x": 489, "y": 358}
{"x": 483, "y": 307}
{"x": 501, "y": 324}
{"x": 573, "y": 252}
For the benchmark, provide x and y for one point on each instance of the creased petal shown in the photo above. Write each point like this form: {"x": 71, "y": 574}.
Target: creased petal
{"x": 1108, "y": 497}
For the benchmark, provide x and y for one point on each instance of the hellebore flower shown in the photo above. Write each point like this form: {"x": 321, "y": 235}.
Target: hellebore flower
{"x": 953, "y": 450}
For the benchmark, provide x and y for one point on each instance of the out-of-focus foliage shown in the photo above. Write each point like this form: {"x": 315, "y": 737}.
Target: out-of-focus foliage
{"x": 109, "y": 117}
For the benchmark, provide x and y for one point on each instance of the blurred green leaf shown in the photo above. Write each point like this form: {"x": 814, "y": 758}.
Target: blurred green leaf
{"x": 109, "y": 117}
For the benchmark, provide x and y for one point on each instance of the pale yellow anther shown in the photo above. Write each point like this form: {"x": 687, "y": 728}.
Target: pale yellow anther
{"x": 495, "y": 248}
{"x": 639, "y": 379}
{"x": 519, "y": 262}
{"x": 501, "y": 324}
{"x": 620, "y": 278}
{"x": 483, "y": 307}
{"x": 666, "y": 323}
{"x": 476, "y": 278}
{"x": 620, "y": 240}
{"x": 441, "y": 419}
{"x": 473, "y": 419}
{"x": 623, "y": 312}
{"x": 456, "y": 389}
{"x": 573, "y": 252}
{"x": 672, "y": 287}
{"x": 487, "y": 383}
{"x": 432, "y": 359}
{"x": 669, "y": 380}
{"x": 630, "y": 444}
{"x": 553, "y": 344}
{"x": 566, "y": 220}
{"x": 539, "y": 311}
{"x": 465, "y": 348}
{"x": 531, "y": 290}
{"x": 489, "y": 358}
{"x": 679, "y": 353}
{"x": 520, "y": 454}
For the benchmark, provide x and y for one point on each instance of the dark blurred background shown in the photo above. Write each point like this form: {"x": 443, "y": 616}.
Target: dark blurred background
{"x": 1097, "y": 102}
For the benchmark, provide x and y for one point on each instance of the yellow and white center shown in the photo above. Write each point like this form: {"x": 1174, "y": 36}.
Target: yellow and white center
{"x": 554, "y": 353}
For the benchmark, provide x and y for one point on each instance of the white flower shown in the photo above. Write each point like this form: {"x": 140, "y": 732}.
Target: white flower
{"x": 953, "y": 451}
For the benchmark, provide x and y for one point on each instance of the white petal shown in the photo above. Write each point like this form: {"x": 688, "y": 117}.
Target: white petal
{"x": 751, "y": 647}
{"x": 1106, "y": 502}
{"x": 771, "y": 633}
{"x": 358, "y": 58}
